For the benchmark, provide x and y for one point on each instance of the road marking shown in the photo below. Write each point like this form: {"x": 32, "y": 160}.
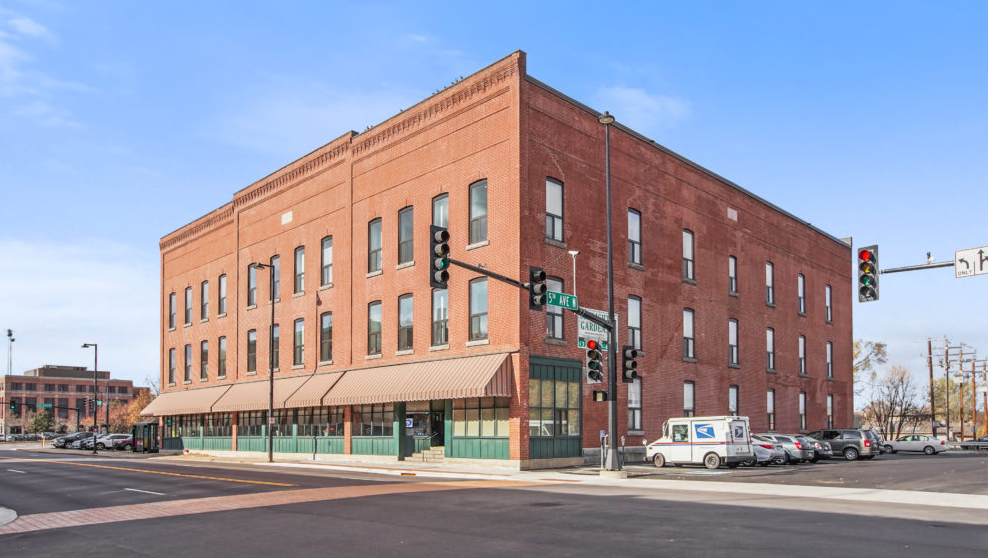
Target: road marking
{"x": 145, "y": 491}
{"x": 171, "y": 508}
{"x": 15, "y": 471}
{"x": 225, "y": 479}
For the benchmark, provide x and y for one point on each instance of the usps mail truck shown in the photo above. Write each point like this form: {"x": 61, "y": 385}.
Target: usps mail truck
{"x": 712, "y": 441}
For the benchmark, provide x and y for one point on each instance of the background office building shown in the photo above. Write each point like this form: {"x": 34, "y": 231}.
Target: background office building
{"x": 737, "y": 306}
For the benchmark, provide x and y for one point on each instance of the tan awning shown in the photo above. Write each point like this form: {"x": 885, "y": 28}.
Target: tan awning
{"x": 253, "y": 396}
{"x": 185, "y": 401}
{"x": 476, "y": 376}
{"x": 310, "y": 394}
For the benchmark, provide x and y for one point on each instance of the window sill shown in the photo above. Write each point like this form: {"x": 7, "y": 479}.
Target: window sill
{"x": 555, "y": 341}
{"x": 298, "y": 294}
{"x": 404, "y": 352}
{"x": 830, "y": 379}
{"x": 171, "y": 329}
{"x": 325, "y": 363}
{"x": 374, "y": 273}
{"x": 223, "y": 377}
{"x": 203, "y": 380}
{"x": 186, "y": 382}
{"x": 829, "y": 322}
{"x": 372, "y": 357}
{"x": 770, "y": 371}
{"x": 803, "y": 375}
{"x": 636, "y": 433}
{"x": 251, "y": 306}
{"x": 556, "y": 243}
{"x": 404, "y": 265}
{"x": 170, "y": 384}
{"x": 223, "y": 315}
{"x": 298, "y": 366}
{"x": 187, "y": 325}
{"x": 733, "y": 293}
{"x": 637, "y": 266}
{"x": 204, "y": 320}
{"x": 439, "y": 347}
{"x": 689, "y": 281}
{"x": 254, "y": 373}
{"x": 478, "y": 342}
{"x": 476, "y": 245}
{"x": 770, "y": 304}
{"x": 801, "y": 314}
{"x": 689, "y": 359}
{"x": 326, "y": 286}
{"x": 734, "y": 365}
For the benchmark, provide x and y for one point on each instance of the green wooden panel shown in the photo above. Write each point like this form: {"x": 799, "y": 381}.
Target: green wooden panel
{"x": 171, "y": 444}
{"x": 480, "y": 448}
{"x": 284, "y": 444}
{"x": 330, "y": 444}
{"x": 191, "y": 443}
{"x": 422, "y": 444}
{"x": 374, "y": 445}
{"x": 218, "y": 443}
{"x": 252, "y": 443}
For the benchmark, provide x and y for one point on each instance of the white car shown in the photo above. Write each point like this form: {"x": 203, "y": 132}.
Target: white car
{"x": 109, "y": 441}
{"x": 917, "y": 442}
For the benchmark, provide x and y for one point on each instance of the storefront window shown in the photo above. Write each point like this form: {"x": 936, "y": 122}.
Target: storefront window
{"x": 218, "y": 424}
{"x": 553, "y": 408}
{"x": 373, "y": 420}
{"x": 250, "y": 423}
{"x": 486, "y": 417}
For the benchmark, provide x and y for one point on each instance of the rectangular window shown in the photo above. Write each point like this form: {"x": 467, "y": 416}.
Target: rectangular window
{"x": 326, "y": 337}
{"x": 830, "y": 411}
{"x": 204, "y": 300}
{"x": 188, "y": 363}
{"x": 769, "y": 283}
{"x": 554, "y": 314}
{"x": 221, "y": 359}
{"x": 275, "y": 272}
{"x": 374, "y": 328}
{"x": 635, "y": 404}
{"x": 688, "y": 399}
{"x": 827, "y": 299}
{"x": 327, "y": 262}
{"x": 830, "y": 359}
{"x": 299, "y": 270}
{"x": 440, "y": 317}
{"x": 732, "y": 275}
{"x": 478, "y": 211}
{"x": 802, "y": 355}
{"x": 221, "y": 306}
{"x": 252, "y": 350}
{"x": 635, "y": 322}
{"x": 801, "y": 293}
{"x": 188, "y": 306}
{"x": 440, "y": 210}
{"x": 802, "y": 410}
{"x": 553, "y": 209}
{"x": 374, "y": 246}
{"x": 171, "y": 311}
{"x": 732, "y": 342}
{"x": 634, "y": 237}
{"x": 732, "y": 401}
{"x": 688, "y": 338}
{"x": 298, "y": 345}
{"x": 688, "y": 271}
{"x": 406, "y": 236}
{"x": 405, "y": 322}
{"x": 478, "y": 309}
{"x": 171, "y": 368}
{"x": 274, "y": 353}
{"x": 770, "y": 349}
{"x": 251, "y": 285}
{"x": 204, "y": 361}
{"x": 770, "y": 409}
{"x": 553, "y": 408}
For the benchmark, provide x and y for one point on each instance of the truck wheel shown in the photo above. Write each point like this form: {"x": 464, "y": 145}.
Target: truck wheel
{"x": 659, "y": 460}
{"x": 711, "y": 461}
{"x": 851, "y": 454}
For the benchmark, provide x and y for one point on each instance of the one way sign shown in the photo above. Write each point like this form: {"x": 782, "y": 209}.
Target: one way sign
{"x": 970, "y": 262}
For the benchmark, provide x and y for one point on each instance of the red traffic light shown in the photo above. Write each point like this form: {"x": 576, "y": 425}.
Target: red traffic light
{"x": 591, "y": 345}
{"x": 866, "y": 255}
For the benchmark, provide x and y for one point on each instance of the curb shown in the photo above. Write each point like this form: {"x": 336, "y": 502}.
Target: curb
{"x": 6, "y": 516}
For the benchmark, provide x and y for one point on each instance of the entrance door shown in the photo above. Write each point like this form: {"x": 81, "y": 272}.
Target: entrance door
{"x": 437, "y": 424}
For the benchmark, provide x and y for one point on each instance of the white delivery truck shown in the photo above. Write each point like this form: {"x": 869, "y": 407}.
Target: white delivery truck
{"x": 713, "y": 441}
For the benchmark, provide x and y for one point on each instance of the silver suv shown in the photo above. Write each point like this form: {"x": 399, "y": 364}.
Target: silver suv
{"x": 852, "y": 443}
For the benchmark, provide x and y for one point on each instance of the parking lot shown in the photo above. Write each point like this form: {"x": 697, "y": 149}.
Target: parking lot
{"x": 963, "y": 472}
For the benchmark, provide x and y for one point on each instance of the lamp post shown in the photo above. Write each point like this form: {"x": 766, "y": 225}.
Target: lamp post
{"x": 270, "y": 363}
{"x": 574, "y": 253}
{"x": 95, "y": 389}
{"x": 612, "y": 461}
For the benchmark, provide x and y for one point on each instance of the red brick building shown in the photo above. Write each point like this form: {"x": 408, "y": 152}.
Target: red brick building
{"x": 736, "y": 305}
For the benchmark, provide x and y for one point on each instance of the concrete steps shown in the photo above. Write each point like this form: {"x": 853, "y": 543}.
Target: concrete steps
{"x": 431, "y": 455}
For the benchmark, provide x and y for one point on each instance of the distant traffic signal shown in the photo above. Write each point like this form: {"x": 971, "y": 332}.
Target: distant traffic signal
{"x": 439, "y": 256}
{"x": 595, "y": 374}
{"x": 868, "y": 273}
{"x": 629, "y": 365}
{"x": 536, "y": 288}
{"x": 599, "y": 396}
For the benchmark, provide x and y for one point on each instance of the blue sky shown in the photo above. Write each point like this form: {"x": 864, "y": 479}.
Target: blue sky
{"x": 122, "y": 121}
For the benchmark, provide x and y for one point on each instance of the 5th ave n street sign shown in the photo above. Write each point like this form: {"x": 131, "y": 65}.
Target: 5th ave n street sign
{"x": 561, "y": 299}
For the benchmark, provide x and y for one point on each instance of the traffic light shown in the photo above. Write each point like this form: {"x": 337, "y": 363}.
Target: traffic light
{"x": 439, "y": 256}
{"x": 868, "y": 273}
{"x": 595, "y": 373}
{"x": 629, "y": 365}
{"x": 13, "y": 406}
{"x": 536, "y": 288}
{"x": 599, "y": 396}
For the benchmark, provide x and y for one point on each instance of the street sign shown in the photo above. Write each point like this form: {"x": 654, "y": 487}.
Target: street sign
{"x": 590, "y": 330}
{"x": 562, "y": 299}
{"x": 971, "y": 262}
{"x": 44, "y": 404}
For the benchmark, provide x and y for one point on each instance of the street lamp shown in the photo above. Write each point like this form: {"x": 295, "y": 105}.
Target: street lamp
{"x": 574, "y": 253}
{"x": 612, "y": 461}
{"x": 270, "y": 364}
{"x": 95, "y": 389}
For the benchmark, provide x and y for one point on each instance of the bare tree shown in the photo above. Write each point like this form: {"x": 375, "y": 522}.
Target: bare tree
{"x": 866, "y": 356}
{"x": 893, "y": 404}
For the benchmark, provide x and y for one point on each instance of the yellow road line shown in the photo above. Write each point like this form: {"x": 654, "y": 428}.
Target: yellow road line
{"x": 148, "y": 472}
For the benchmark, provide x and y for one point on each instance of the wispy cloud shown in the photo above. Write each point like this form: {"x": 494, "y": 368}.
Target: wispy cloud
{"x": 29, "y": 28}
{"x": 641, "y": 110}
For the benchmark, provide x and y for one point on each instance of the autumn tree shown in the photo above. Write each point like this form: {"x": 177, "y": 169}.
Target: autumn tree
{"x": 866, "y": 357}
{"x": 138, "y": 404}
{"x": 894, "y": 403}
{"x": 958, "y": 392}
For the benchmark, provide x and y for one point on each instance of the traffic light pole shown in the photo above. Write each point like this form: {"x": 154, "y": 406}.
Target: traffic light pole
{"x": 490, "y": 274}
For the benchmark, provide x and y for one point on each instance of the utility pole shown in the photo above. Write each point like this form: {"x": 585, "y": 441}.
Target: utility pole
{"x": 933, "y": 408}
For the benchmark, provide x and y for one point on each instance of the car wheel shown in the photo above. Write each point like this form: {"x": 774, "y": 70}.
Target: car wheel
{"x": 659, "y": 460}
{"x": 764, "y": 463}
{"x": 711, "y": 461}
{"x": 126, "y": 447}
{"x": 749, "y": 462}
{"x": 888, "y": 449}
{"x": 928, "y": 450}
{"x": 100, "y": 446}
{"x": 778, "y": 461}
{"x": 851, "y": 454}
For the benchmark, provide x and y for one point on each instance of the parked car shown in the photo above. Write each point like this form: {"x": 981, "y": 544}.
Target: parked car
{"x": 125, "y": 444}
{"x": 917, "y": 442}
{"x": 852, "y": 443}
{"x": 66, "y": 441}
{"x": 795, "y": 452}
{"x": 774, "y": 450}
{"x": 822, "y": 450}
{"x": 109, "y": 441}
{"x": 876, "y": 441}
